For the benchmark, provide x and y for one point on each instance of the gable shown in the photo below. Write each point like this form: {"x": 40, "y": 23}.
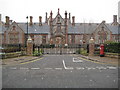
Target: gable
{"x": 14, "y": 26}
{"x": 102, "y": 27}
{"x": 58, "y": 18}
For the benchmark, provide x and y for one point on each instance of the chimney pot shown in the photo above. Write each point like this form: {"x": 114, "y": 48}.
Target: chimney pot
{"x": 0, "y": 17}
{"x": 114, "y": 18}
{"x": 7, "y": 21}
{"x": 46, "y": 19}
{"x": 31, "y": 22}
{"x": 73, "y": 20}
{"x": 40, "y": 21}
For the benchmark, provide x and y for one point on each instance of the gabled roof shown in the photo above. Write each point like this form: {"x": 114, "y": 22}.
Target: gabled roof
{"x": 113, "y": 29}
{"x": 81, "y": 28}
{"x": 35, "y": 29}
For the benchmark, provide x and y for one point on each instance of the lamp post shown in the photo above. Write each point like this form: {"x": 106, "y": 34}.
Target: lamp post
{"x": 27, "y": 30}
{"x": 66, "y": 45}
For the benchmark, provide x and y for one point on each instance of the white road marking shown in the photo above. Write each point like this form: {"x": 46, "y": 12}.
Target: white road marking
{"x": 35, "y": 68}
{"x": 13, "y": 68}
{"x": 58, "y": 68}
{"x": 80, "y": 68}
{"x": 100, "y": 68}
{"x": 90, "y": 68}
{"x": 65, "y": 66}
{"x": 112, "y": 67}
{"x": 77, "y": 60}
{"x": 23, "y": 68}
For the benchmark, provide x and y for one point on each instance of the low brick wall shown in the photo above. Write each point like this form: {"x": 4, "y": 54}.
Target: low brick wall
{"x": 11, "y": 55}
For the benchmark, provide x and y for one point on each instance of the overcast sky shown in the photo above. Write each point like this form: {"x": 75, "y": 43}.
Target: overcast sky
{"x": 83, "y": 10}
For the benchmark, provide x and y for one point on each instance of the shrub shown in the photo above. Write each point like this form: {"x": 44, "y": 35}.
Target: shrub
{"x": 112, "y": 47}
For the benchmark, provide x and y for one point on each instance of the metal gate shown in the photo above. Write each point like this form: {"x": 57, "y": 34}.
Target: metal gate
{"x": 60, "y": 49}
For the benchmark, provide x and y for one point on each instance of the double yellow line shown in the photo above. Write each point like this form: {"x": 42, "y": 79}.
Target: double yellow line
{"x": 32, "y": 61}
{"x": 95, "y": 61}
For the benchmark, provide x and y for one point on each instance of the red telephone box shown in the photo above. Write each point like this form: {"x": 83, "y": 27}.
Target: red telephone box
{"x": 102, "y": 50}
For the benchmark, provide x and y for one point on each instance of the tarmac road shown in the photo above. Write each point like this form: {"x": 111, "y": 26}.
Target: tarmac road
{"x": 60, "y": 71}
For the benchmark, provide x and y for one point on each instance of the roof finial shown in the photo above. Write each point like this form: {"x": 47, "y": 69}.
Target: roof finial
{"x": 58, "y": 11}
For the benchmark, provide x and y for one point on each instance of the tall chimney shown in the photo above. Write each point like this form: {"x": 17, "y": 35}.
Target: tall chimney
{"x": 40, "y": 21}
{"x": 69, "y": 17}
{"x": 31, "y": 23}
{"x": 7, "y": 21}
{"x": 73, "y": 20}
{"x": 114, "y": 18}
{"x": 51, "y": 16}
{"x": 0, "y": 17}
{"x": 58, "y": 11}
{"x": 46, "y": 19}
{"x": 66, "y": 17}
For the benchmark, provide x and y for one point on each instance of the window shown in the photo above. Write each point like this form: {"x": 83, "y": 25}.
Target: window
{"x": 72, "y": 39}
{"x": 43, "y": 39}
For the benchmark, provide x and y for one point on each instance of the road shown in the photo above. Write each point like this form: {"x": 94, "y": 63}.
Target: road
{"x": 60, "y": 71}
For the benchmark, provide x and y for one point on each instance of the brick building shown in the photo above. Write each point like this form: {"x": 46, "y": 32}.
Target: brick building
{"x": 58, "y": 30}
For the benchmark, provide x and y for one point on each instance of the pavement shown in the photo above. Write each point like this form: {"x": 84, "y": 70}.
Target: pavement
{"x": 19, "y": 60}
{"x": 26, "y": 59}
{"x": 106, "y": 60}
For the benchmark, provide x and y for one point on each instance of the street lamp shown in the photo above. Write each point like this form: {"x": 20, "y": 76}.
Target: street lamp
{"x": 66, "y": 45}
{"x": 27, "y": 29}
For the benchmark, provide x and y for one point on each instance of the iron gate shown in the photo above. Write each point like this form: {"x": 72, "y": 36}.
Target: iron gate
{"x": 60, "y": 49}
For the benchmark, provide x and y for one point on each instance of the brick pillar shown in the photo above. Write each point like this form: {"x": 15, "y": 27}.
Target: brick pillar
{"x": 29, "y": 46}
{"x": 91, "y": 47}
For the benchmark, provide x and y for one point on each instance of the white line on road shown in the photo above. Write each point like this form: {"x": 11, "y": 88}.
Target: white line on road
{"x": 112, "y": 67}
{"x": 23, "y": 68}
{"x": 13, "y": 68}
{"x": 80, "y": 68}
{"x": 58, "y": 68}
{"x": 35, "y": 68}
{"x": 100, "y": 68}
{"x": 65, "y": 66}
{"x": 76, "y": 60}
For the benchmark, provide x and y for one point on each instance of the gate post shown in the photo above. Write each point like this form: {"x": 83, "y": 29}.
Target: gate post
{"x": 29, "y": 46}
{"x": 91, "y": 47}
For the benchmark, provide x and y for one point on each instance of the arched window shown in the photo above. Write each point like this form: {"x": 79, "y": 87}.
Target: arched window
{"x": 102, "y": 35}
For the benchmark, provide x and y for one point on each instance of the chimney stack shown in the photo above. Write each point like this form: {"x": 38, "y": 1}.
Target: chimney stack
{"x": 31, "y": 23}
{"x": 58, "y": 11}
{"x": 40, "y": 21}
{"x": 0, "y": 17}
{"x": 7, "y": 21}
{"x": 66, "y": 17}
{"x": 51, "y": 16}
{"x": 70, "y": 17}
{"x": 46, "y": 20}
{"x": 115, "y": 18}
{"x": 73, "y": 20}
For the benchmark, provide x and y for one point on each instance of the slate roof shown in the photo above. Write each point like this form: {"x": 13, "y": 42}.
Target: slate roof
{"x": 35, "y": 29}
{"x": 79, "y": 28}
{"x": 113, "y": 29}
